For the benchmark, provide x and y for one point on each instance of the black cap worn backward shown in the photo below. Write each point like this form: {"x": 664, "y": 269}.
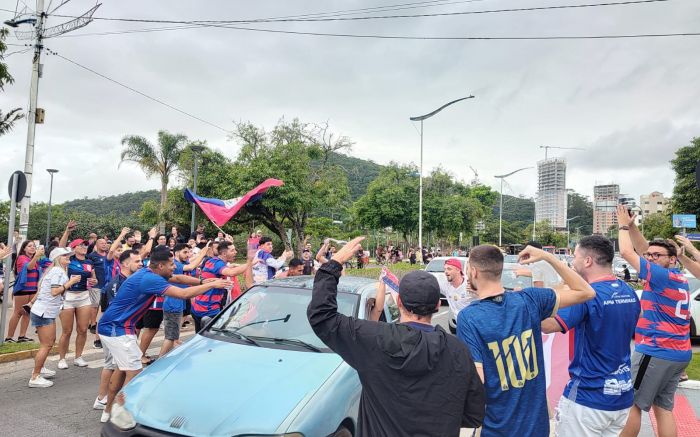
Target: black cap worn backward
{"x": 419, "y": 290}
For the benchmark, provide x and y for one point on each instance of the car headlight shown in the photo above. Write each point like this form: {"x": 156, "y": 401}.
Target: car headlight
{"x": 120, "y": 416}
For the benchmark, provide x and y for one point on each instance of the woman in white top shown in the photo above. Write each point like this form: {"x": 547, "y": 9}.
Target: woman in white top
{"x": 52, "y": 285}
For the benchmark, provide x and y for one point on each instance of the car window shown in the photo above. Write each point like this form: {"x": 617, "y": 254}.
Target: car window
{"x": 391, "y": 308}
{"x": 436, "y": 265}
{"x": 510, "y": 259}
{"x": 511, "y": 281}
{"x": 270, "y": 312}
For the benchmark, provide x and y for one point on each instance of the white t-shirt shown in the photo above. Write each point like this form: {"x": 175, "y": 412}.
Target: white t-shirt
{"x": 458, "y": 298}
{"x": 544, "y": 272}
{"x": 46, "y": 305}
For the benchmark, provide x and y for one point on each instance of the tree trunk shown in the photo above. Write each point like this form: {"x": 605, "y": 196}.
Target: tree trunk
{"x": 163, "y": 202}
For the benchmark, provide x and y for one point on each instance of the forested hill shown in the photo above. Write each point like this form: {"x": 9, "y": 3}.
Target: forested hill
{"x": 121, "y": 204}
{"x": 360, "y": 172}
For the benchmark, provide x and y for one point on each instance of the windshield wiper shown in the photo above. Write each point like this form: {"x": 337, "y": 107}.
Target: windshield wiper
{"x": 293, "y": 341}
{"x": 238, "y": 335}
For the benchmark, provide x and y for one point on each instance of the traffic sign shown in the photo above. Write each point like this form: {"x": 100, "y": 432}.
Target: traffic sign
{"x": 693, "y": 237}
{"x": 21, "y": 186}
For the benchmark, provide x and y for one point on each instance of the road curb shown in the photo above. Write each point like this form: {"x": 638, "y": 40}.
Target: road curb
{"x": 690, "y": 384}
{"x": 24, "y": 355}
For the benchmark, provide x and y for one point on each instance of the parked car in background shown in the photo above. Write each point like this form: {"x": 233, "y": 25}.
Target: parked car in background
{"x": 619, "y": 269}
{"x": 256, "y": 369}
{"x": 436, "y": 267}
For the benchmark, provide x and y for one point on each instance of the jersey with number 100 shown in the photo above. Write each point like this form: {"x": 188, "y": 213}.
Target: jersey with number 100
{"x": 504, "y": 336}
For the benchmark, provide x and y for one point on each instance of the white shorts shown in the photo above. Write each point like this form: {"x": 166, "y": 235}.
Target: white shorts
{"x": 78, "y": 299}
{"x": 121, "y": 352}
{"x": 95, "y": 294}
{"x": 572, "y": 419}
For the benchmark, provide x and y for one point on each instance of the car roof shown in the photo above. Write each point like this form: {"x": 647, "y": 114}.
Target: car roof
{"x": 347, "y": 284}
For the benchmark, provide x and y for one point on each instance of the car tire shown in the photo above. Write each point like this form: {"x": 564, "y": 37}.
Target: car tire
{"x": 453, "y": 330}
{"x": 693, "y": 330}
{"x": 342, "y": 432}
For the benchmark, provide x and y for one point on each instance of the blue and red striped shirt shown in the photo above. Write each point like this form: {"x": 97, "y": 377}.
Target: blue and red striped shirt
{"x": 133, "y": 299}
{"x": 32, "y": 274}
{"x": 209, "y": 303}
{"x": 663, "y": 330}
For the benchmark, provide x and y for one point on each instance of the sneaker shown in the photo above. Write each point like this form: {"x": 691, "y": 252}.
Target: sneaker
{"x": 80, "y": 362}
{"x": 104, "y": 418}
{"x": 93, "y": 329}
{"x": 97, "y": 344}
{"x": 10, "y": 340}
{"x": 47, "y": 373}
{"x": 62, "y": 364}
{"x": 23, "y": 339}
{"x": 100, "y": 404}
{"x": 40, "y": 382}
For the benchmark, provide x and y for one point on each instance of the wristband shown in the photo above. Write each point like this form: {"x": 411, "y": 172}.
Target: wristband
{"x": 624, "y": 228}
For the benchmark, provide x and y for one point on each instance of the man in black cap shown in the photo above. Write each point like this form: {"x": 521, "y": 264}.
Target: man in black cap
{"x": 417, "y": 379}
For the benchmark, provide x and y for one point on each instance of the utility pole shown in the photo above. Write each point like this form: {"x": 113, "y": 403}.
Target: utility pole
{"x": 31, "y": 118}
{"x": 38, "y": 34}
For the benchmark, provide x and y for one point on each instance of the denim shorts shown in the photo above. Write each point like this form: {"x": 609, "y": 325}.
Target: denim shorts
{"x": 38, "y": 321}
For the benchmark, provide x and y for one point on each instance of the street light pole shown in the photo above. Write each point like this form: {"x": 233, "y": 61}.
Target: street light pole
{"x": 196, "y": 150}
{"x": 568, "y": 233}
{"x": 500, "y": 212}
{"x": 420, "y": 183}
{"x": 51, "y": 171}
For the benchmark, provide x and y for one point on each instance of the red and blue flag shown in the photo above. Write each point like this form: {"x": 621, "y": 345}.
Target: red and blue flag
{"x": 221, "y": 211}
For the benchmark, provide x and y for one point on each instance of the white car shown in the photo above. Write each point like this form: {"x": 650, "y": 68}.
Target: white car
{"x": 694, "y": 287}
{"x": 436, "y": 267}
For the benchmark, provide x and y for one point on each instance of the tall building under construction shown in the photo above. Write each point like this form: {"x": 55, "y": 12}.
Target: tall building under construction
{"x": 551, "y": 201}
{"x": 605, "y": 200}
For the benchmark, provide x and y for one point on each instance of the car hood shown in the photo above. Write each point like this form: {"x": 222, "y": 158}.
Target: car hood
{"x": 213, "y": 387}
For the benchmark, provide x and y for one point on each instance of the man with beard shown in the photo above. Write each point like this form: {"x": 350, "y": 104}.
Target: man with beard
{"x": 502, "y": 330}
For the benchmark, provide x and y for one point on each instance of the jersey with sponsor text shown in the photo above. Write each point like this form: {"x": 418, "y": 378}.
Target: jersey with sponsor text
{"x": 601, "y": 376}
{"x": 663, "y": 330}
{"x": 504, "y": 335}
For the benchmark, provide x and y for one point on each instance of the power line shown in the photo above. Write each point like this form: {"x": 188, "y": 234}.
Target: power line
{"x": 137, "y": 91}
{"x": 374, "y": 17}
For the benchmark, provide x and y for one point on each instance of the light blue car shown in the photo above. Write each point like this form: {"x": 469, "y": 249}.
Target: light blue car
{"x": 256, "y": 370}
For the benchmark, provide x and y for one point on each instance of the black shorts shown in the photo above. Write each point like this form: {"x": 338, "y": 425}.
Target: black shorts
{"x": 103, "y": 302}
{"x": 24, "y": 293}
{"x": 151, "y": 320}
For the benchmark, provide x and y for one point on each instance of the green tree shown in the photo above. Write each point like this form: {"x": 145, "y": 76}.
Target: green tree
{"x": 579, "y": 206}
{"x": 9, "y": 118}
{"x": 391, "y": 200}
{"x": 657, "y": 225}
{"x": 686, "y": 196}
{"x": 161, "y": 160}
{"x": 546, "y": 235}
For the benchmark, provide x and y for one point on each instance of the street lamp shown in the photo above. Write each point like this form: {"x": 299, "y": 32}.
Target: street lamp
{"x": 500, "y": 208}
{"x": 568, "y": 234}
{"x": 420, "y": 183}
{"x": 51, "y": 171}
{"x": 196, "y": 150}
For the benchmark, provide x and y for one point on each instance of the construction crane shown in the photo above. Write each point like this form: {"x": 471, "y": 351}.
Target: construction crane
{"x": 475, "y": 181}
{"x": 546, "y": 149}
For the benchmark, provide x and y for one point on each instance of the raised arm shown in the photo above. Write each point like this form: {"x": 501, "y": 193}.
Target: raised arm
{"x": 197, "y": 260}
{"x": 238, "y": 270}
{"x": 579, "y": 290}
{"x": 117, "y": 243}
{"x": 321, "y": 255}
{"x": 70, "y": 227}
{"x": 689, "y": 263}
{"x": 37, "y": 256}
{"x": 146, "y": 249}
{"x": 378, "y": 308}
{"x": 627, "y": 247}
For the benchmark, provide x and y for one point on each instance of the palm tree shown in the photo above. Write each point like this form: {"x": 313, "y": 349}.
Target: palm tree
{"x": 161, "y": 160}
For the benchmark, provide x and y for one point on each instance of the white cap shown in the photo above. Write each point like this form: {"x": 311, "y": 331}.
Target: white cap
{"x": 59, "y": 251}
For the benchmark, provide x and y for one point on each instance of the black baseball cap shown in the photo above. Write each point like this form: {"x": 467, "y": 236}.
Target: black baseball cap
{"x": 420, "y": 292}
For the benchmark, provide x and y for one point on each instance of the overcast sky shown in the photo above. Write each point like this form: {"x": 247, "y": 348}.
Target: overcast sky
{"x": 629, "y": 102}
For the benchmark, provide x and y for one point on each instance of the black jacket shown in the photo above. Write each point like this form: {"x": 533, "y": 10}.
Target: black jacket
{"x": 414, "y": 382}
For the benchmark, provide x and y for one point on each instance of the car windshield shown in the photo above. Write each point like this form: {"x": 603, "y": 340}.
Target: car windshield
{"x": 511, "y": 281}
{"x": 436, "y": 265}
{"x": 268, "y": 316}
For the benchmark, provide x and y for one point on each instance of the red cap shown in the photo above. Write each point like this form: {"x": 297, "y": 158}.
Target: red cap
{"x": 454, "y": 262}
{"x": 75, "y": 243}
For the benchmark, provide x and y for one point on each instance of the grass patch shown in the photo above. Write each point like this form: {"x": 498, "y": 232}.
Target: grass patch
{"x": 8, "y": 348}
{"x": 693, "y": 369}
{"x": 399, "y": 269}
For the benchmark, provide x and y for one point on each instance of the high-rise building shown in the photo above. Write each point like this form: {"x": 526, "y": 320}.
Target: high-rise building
{"x": 605, "y": 200}
{"x": 653, "y": 203}
{"x": 552, "y": 199}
